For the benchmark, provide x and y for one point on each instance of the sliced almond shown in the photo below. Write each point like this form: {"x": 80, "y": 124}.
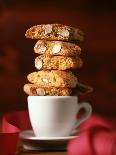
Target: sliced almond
{"x": 64, "y": 33}
{"x": 48, "y": 29}
{"x": 40, "y": 91}
{"x": 40, "y": 48}
{"x": 38, "y": 64}
{"x": 56, "y": 48}
{"x": 45, "y": 80}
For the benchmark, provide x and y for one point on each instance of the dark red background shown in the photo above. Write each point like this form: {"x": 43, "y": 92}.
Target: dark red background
{"x": 95, "y": 17}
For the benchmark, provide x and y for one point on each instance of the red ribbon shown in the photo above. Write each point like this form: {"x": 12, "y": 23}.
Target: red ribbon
{"x": 98, "y": 136}
{"x": 12, "y": 124}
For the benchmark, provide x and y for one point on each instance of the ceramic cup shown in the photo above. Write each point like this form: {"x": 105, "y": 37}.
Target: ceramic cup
{"x": 55, "y": 116}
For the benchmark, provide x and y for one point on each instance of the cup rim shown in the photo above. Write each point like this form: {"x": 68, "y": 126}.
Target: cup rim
{"x": 52, "y": 97}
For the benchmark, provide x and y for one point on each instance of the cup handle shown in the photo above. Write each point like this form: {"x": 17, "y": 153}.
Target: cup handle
{"x": 88, "y": 111}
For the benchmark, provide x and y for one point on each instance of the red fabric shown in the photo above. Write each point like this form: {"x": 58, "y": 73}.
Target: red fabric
{"x": 97, "y": 138}
{"x": 12, "y": 124}
{"x": 16, "y": 121}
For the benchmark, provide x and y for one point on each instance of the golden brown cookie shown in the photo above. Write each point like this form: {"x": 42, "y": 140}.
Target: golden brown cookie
{"x": 53, "y": 78}
{"x": 54, "y": 32}
{"x": 57, "y": 48}
{"x": 36, "y": 90}
{"x": 57, "y": 62}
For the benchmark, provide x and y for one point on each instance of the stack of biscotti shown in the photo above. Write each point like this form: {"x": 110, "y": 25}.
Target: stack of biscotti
{"x": 58, "y": 54}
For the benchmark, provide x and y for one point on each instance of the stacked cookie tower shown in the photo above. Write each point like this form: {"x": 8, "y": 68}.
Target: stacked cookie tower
{"x": 58, "y": 55}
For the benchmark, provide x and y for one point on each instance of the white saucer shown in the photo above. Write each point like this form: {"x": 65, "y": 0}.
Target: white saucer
{"x": 30, "y": 142}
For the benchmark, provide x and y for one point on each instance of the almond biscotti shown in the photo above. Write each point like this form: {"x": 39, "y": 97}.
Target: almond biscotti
{"x": 55, "y": 32}
{"x": 57, "y": 48}
{"x": 57, "y": 62}
{"x": 36, "y": 90}
{"x": 53, "y": 78}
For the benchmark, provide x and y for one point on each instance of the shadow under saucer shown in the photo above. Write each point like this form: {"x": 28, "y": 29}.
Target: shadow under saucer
{"x": 31, "y": 142}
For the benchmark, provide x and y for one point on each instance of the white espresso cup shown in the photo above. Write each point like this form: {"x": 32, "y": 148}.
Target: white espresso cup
{"x": 55, "y": 116}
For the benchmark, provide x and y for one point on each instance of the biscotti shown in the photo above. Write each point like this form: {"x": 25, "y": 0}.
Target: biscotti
{"x": 55, "y": 32}
{"x": 36, "y": 90}
{"x": 57, "y": 62}
{"x": 58, "y": 56}
{"x": 57, "y": 48}
{"x": 53, "y": 78}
